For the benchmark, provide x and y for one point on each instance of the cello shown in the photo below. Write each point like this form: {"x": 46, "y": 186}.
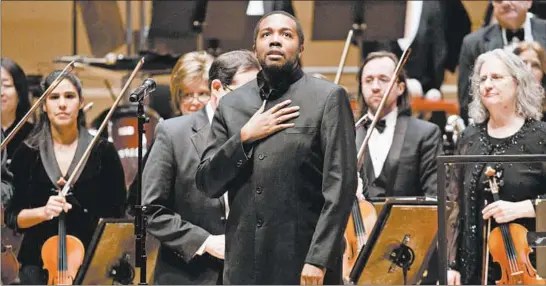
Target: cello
{"x": 63, "y": 254}
{"x": 509, "y": 248}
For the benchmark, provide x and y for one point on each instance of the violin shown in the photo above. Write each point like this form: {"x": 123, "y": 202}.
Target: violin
{"x": 509, "y": 248}
{"x": 62, "y": 254}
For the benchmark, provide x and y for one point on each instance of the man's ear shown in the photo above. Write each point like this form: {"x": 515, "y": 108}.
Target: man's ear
{"x": 401, "y": 87}
{"x": 216, "y": 85}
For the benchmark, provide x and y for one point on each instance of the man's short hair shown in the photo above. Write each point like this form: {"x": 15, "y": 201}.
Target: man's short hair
{"x": 225, "y": 67}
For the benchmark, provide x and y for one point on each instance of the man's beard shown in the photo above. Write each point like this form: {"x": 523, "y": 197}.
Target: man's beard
{"x": 274, "y": 70}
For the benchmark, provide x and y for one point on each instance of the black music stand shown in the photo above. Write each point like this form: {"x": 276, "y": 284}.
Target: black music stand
{"x": 110, "y": 256}
{"x": 541, "y": 229}
{"x": 331, "y": 21}
{"x": 400, "y": 245}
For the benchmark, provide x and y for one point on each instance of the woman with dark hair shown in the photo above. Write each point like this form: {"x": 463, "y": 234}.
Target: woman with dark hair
{"x": 41, "y": 166}
{"x": 15, "y": 103}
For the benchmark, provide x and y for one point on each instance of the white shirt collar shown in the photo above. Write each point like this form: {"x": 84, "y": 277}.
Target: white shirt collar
{"x": 210, "y": 112}
{"x": 526, "y": 28}
{"x": 390, "y": 119}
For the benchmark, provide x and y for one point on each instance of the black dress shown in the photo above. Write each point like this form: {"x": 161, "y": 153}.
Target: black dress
{"x": 520, "y": 181}
{"x": 18, "y": 139}
{"x": 98, "y": 193}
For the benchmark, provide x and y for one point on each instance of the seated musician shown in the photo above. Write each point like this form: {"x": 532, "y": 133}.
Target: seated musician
{"x": 44, "y": 162}
{"x": 400, "y": 158}
{"x": 6, "y": 176}
{"x": 532, "y": 54}
{"x": 506, "y": 107}
{"x": 15, "y": 104}
{"x": 189, "y": 225}
{"x": 189, "y": 82}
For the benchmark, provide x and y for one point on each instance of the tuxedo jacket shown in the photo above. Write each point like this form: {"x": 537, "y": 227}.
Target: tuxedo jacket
{"x": 410, "y": 167}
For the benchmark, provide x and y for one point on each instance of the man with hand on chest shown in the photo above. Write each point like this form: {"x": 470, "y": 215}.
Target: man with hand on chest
{"x": 283, "y": 148}
{"x": 400, "y": 158}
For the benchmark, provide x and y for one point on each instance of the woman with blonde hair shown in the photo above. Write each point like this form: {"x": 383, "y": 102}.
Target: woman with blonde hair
{"x": 189, "y": 82}
{"x": 532, "y": 53}
{"x": 506, "y": 107}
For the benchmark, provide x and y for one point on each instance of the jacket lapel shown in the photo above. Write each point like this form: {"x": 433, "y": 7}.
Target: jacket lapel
{"x": 493, "y": 39}
{"x": 200, "y": 130}
{"x": 396, "y": 147}
{"x": 538, "y": 31}
{"x": 47, "y": 155}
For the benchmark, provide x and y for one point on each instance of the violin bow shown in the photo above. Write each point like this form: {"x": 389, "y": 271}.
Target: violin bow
{"x": 25, "y": 118}
{"x": 490, "y": 173}
{"x": 78, "y": 169}
{"x": 394, "y": 79}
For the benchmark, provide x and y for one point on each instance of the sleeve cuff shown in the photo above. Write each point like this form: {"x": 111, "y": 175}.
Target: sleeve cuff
{"x": 201, "y": 249}
{"x": 247, "y": 149}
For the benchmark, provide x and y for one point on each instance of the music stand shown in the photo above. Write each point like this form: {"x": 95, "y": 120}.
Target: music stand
{"x": 331, "y": 21}
{"x": 541, "y": 227}
{"x": 401, "y": 243}
{"x": 110, "y": 256}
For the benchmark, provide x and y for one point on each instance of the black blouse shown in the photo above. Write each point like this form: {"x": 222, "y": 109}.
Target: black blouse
{"x": 520, "y": 181}
{"x": 18, "y": 139}
{"x": 98, "y": 193}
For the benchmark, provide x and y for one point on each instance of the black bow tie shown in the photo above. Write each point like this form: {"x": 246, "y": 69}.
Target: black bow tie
{"x": 520, "y": 34}
{"x": 381, "y": 124}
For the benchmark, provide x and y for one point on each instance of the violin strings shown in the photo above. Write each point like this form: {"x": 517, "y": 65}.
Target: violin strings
{"x": 509, "y": 246}
{"x": 359, "y": 224}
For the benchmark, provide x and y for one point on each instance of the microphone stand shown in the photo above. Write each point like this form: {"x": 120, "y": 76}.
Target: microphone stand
{"x": 140, "y": 219}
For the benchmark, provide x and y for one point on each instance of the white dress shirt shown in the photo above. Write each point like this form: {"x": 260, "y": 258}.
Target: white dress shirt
{"x": 528, "y": 35}
{"x": 380, "y": 143}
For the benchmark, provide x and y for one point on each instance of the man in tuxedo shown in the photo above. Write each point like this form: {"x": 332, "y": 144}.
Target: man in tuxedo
{"x": 401, "y": 155}
{"x": 189, "y": 225}
{"x": 434, "y": 30}
{"x": 513, "y": 26}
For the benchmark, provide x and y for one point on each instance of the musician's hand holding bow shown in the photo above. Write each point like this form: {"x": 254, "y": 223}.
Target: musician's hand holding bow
{"x": 504, "y": 211}
{"x": 54, "y": 206}
{"x": 360, "y": 189}
{"x": 263, "y": 124}
{"x": 453, "y": 277}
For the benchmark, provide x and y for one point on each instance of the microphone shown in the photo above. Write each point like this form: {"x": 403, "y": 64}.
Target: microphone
{"x": 147, "y": 86}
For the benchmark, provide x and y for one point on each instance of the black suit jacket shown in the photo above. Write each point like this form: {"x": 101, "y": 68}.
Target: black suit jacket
{"x": 290, "y": 198}
{"x": 484, "y": 40}
{"x": 411, "y": 158}
{"x": 429, "y": 49}
{"x": 180, "y": 216}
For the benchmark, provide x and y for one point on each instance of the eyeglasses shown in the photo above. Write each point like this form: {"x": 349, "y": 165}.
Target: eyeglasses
{"x": 495, "y": 78}
{"x": 202, "y": 97}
